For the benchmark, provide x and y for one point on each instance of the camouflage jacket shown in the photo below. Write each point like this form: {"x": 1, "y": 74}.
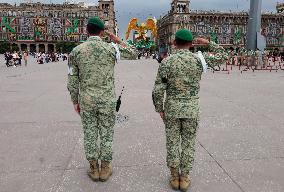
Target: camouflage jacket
{"x": 179, "y": 76}
{"x": 251, "y": 53}
{"x": 91, "y": 73}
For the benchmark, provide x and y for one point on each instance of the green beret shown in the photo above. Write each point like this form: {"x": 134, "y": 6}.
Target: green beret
{"x": 97, "y": 22}
{"x": 184, "y": 34}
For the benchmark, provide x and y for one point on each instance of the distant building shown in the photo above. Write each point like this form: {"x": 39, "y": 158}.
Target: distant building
{"x": 38, "y": 27}
{"x": 226, "y": 28}
{"x": 280, "y": 7}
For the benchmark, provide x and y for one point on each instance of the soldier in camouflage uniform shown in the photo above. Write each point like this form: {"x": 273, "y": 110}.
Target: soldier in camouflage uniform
{"x": 251, "y": 58}
{"x": 258, "y": 58}
{"x": 91, "y": 86}
{"x": 265, "y": 58}
{"x": 179, "y": 78}
{"x": 243, "y": 56}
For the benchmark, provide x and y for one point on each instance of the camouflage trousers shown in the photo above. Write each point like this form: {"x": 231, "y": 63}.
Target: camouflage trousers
{"x": 97, "y": 127}
{"x": 180, "y": 141}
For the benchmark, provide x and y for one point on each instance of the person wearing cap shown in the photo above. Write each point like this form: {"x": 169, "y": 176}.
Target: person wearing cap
{"x": 91, "y": 86}
{"x": 179, "y": 78}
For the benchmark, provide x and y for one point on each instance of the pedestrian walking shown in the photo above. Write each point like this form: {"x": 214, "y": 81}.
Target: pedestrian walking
{"x": 26, "y": 56}
{"x": 91, "y": 86}
{"x": 179, "y": 78}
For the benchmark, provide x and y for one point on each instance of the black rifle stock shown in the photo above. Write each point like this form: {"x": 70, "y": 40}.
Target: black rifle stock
{"x": 118, "y": 102}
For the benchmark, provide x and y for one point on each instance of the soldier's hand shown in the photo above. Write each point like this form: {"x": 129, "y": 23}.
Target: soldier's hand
{"x": 199, "y": 40}
{"x": 162, "y": 114}
{"x": 110, "y": 34}
{"x": 77, "y": 108}
{"x": 114, "y": 38}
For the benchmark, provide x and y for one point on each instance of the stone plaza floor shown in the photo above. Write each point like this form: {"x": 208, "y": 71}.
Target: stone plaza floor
{"x": 240, "y": 144}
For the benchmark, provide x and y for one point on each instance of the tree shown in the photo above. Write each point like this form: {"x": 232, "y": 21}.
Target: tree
{"x": 15, "y": 47}
{"x": 4, "y": 46}
{"x": 66, "y": 47}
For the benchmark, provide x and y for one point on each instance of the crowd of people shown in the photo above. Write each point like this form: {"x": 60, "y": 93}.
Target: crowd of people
{"x": 242, "y": 57}
{"x": 50, "y": 57}
{"x": 254, "y": 58}
{"x": 14, "y": 59}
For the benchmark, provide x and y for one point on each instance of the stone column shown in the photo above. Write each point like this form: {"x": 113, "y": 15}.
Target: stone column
{"x": 28, "y": 47}
{"x": 37, "y": 47}
{"x": 54, "y": 45}
{"x": 46, "y": 48}
{"x": 19, "y": 45}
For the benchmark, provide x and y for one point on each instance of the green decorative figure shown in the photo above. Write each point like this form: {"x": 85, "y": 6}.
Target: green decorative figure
{"x": 237, "y": 36}
{"x": 141, "y": 44}
{"x": 74, "y": 26}
{"x": 5, "y": 22}
{"x": 213, "y": 36}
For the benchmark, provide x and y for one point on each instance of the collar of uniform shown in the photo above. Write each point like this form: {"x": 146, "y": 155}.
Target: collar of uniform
{"x": 92, "y": 38}
{"x": 182, "y": 50}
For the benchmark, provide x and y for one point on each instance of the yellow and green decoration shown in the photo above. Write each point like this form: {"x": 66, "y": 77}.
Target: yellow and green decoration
{"x": 142, "y": 44}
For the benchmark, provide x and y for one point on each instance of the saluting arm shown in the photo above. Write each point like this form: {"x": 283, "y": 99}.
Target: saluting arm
{"x": 127, "y": 51}
{"x": 218, "y": 56}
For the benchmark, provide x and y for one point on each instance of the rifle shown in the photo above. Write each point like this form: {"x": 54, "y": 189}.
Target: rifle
{"x": 118, "y": 102}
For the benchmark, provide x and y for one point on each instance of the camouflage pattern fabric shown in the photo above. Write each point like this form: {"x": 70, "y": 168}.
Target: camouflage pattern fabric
{"x": 258, "y": 58}
{"x": 179, "y": 76}
{"x": 243, "y": 54}
{"x": 97, "y": 124}
{"x": 91, "y": 84}
{"x": 91, "y": 72}
{"x": 251, "y": 58}
{"x": 178, "y": 79}
{"x": 186, "y": 129}
{"x": 216, "y": 56}
{"x": 265, "y": 58}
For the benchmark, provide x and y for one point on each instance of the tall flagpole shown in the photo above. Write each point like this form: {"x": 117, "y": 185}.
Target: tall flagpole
{"x": 254, "y": 24}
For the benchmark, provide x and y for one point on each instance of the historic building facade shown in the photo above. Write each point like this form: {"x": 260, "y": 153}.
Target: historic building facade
{"x": 226, "y": 28}
{"x": 38, "y": 27}
{"x": 280, "y": 7}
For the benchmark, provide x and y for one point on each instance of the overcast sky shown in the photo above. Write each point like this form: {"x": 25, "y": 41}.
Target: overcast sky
{"x": 126, "y": 9}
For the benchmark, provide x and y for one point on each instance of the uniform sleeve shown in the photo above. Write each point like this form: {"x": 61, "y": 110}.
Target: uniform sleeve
{"x": 218, "y": 57}
{"x": 73, "y": 79}
{"x": 128, "y": 52}
{"x": 160, "y": 87}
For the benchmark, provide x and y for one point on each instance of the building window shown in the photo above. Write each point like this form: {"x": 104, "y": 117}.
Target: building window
{"x": 181, "y": 8}
{"x": 106, "y": 15}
